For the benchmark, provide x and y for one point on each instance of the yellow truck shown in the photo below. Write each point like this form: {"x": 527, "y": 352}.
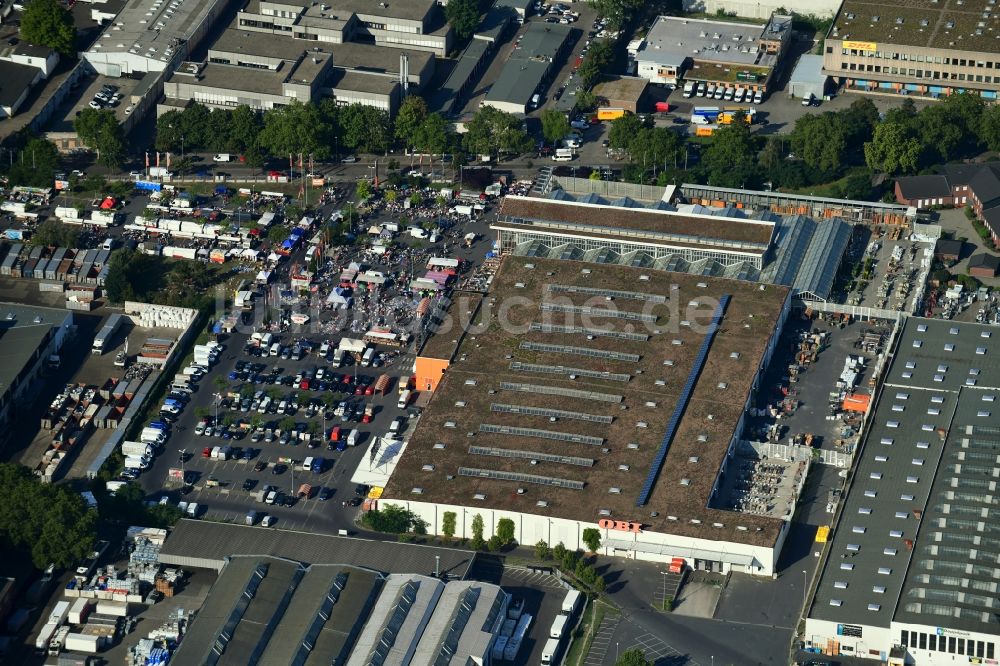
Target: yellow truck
{"x": 609, "y": 113}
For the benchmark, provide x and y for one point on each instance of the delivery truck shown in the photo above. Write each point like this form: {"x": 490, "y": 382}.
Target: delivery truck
{"x": 102, "y": 342}
{"x": 141, "y": 449}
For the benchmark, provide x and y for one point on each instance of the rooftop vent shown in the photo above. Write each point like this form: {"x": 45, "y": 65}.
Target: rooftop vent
{"x": 417, "y": 491}
{"x": 428, "y": 468}
{"x": 479, "y": 496}
{"x": 614, "y": 490}
{"x": 604, "y": 512}
{"x": 541, "y": 503}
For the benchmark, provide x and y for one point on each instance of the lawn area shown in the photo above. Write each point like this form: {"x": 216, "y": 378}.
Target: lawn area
{"x": 831, "y": 189}
{"x": 593, "y": 615}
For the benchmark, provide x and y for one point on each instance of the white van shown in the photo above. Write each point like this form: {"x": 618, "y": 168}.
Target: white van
{"x": 307, "y": 464}
{"x": 264, "y": 404}
{"x": 404, "y": 399}
{"x": 549, "y": 651}
{"x": 535, "y": 99}
{"x": 396, "y": 425}
{"x": 352, "y": 439}
{"x": 369, "y": 355}
{"x": 275, "y": 350}
{"x": 192, "y": 509}
{"x": 689, "y": 89}
{"x": 563, "y": 155}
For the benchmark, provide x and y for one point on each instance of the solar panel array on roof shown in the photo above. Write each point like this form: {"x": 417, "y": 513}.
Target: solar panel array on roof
{"x": 579, "y": 351}
{"x": 541, "y": 434}
{"x": 505, "y": 408}
{"x": 599, "y": 312}
{"x": 682, "y": 402}
{"x": 462, "y": 614}
{"x": 407, "y": 595}
{"x": 530, "y": 455}
{"x": 612, "y": 293}
{"x": 563, "y": 370}
{"x": 590, "y": 332}
{"x": 525, "y": 478}
{"x": 556, "y": 390}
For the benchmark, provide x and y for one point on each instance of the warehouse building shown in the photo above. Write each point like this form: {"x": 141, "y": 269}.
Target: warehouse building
{"x": 591, "y": 228}
{"x": 622, "y": 92}
{"x": 31, "y": 338}
{"x": 271, "y": 610}
{"x": 147, "y": 38}
{"x": 720, "y": 53}
{"x": 910, "y": 573}
{"x": 529, "y": 69}
{"x": 928, "y": 49}
{"x": 561, "y": 426}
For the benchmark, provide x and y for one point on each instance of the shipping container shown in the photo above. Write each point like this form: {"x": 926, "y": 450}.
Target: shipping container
{"x": 609, "y": 113}
{"x": 113, "y": 608}
{"x": 79, "y": 611}
{"x": 59, "y": 612}
{"x": 83, "y": 643}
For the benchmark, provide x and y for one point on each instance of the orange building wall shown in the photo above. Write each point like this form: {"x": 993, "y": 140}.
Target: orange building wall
{"x": 429, "y": 372}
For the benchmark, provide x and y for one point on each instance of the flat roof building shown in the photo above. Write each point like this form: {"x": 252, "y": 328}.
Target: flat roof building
{"x": 155, "y": 37}
{"x": 911, "y": 564}
{"x": 16, "y": 81}
{"x": 29, "y": 336}
{"x": 742, "y": 55}
{"x": 623, "y": 92}
{"x": 656, "y": 232}
{"x": 561, "y": 425}
{"x": 529, "y": 69}
{"x": 276, "y": 611}
{"x": 925, "y": 49}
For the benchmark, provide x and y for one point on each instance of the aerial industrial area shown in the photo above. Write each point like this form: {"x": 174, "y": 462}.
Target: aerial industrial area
{"x": 584, "y": 333}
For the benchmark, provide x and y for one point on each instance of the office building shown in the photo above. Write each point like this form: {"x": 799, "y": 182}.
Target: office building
{"x": 925, "y": 49}
{"x": 720, "y": 53}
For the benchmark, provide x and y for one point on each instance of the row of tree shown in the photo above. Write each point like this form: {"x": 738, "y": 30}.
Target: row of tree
{"x": 319, "y": 129}
{"x": 52, "y": 522}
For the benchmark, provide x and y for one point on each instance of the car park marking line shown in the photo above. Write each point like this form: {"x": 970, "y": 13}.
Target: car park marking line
{"x": 602, "y": 641}
{"x": 655, "y": 648}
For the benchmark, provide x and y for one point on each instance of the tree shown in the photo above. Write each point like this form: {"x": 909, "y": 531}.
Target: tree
{"x": 244, "y": 129}
{"x": 54, "y": 233}
{"x": 365, "y": 128}
{"x": 731, "y": 158}
{"x": 463, "y": 15}
{"x": 477, "y": 532}
{"x": 494, "y": 132}
{"x": 494, "y": 544}
{"x": 616, "y": 11}
{"x": 773, "y": 153}
{"x": 893, "y": 149}
{"x": 411, "y": 115}
{"x": 51, "y": 521}
{"x": 505, "y": 531}
{"x": 448, "y": 524}
{"x": 634, "y": 657}
{"x": 555, "y": 126}
{"x": 599, "y": 584}
{"x": 592, "y": 539}
{"x": 586, "y": 101}
{"x": 857, "y": 186}
{"x": 48, "y": 23}
{"x": 34, "y": 164}
{"x": 860, "y": 120}
{"x": 432, "y": 135}
{"x": 597, "y": 59}
{"x": 941, "y": 132}
{"x": 820, "y": 140}
{"x": 989, "y": 128}
{"x": 391, "y": 518}
{"x": 559, "y": 551}
{"x": 623, "y": 130}
{"x": 296, "y": 129}
{"x": 363, "y": 190}
{"x": 100, "y": 130}
{"x": 542, "y": 550}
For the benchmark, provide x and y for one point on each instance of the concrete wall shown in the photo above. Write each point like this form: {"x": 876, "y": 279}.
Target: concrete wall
{"x": 530, "y": 529}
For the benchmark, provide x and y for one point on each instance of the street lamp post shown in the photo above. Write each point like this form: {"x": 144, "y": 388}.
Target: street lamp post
{"x": 183, "y": 453}
{"x": 805, "y": 588}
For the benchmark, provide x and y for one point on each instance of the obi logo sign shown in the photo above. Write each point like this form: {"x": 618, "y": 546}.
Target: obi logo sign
{"x": 620, "y": 525}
